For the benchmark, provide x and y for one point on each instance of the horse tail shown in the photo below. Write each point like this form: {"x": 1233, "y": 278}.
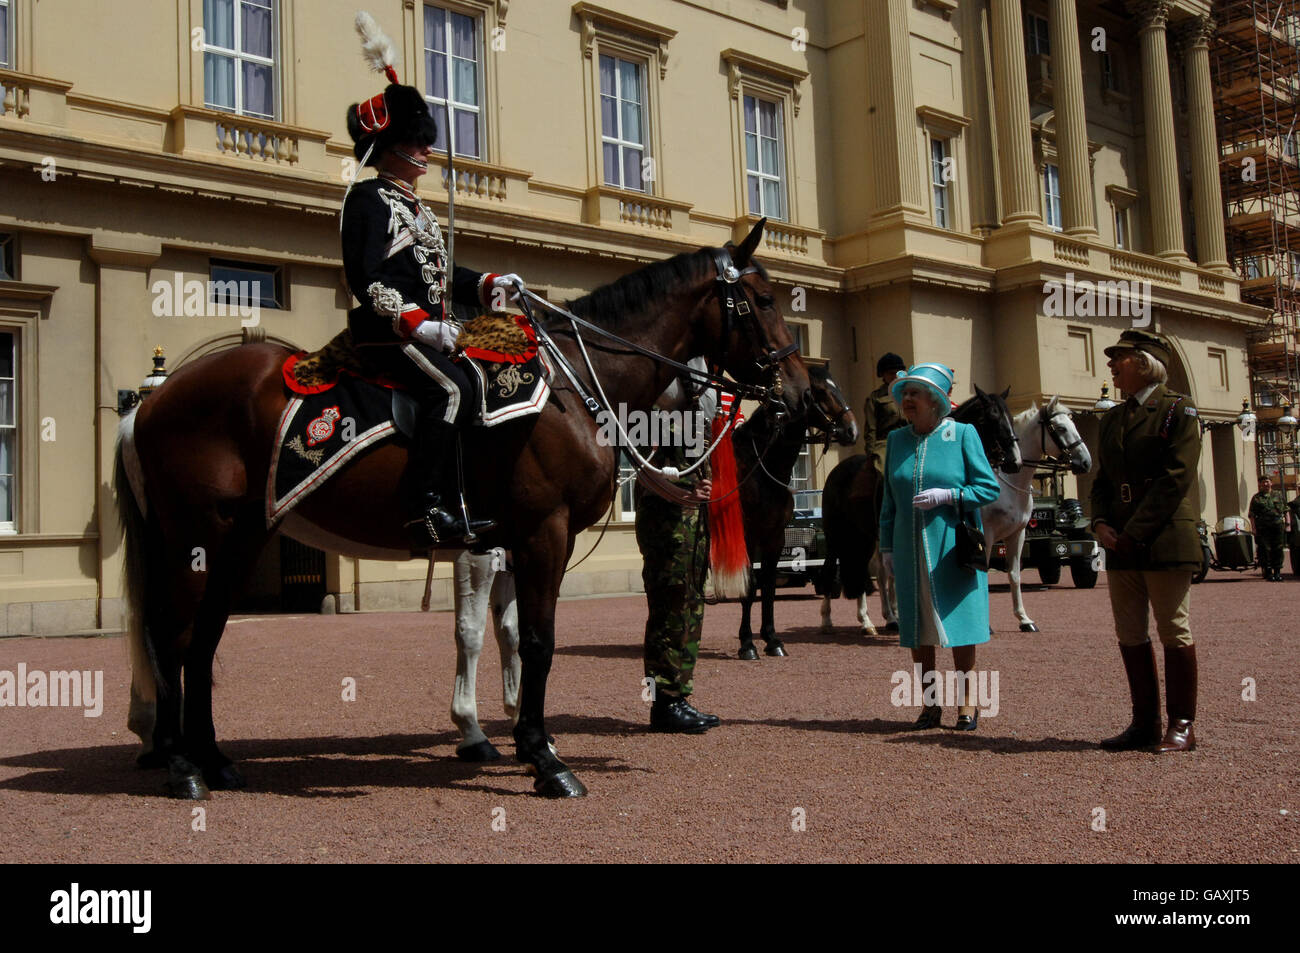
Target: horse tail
{"x": 128, "y": 488}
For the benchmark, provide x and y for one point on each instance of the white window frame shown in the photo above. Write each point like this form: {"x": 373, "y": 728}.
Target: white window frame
{"x": 1123, "y": 229}
{"x": 7, "y": 54}
{"x": 9, "y": 527}
{"x": 437, "y": 105}
{"x": 240, "y": 57}
{"x": 940, "y": 191}
{"x": 1052, "y": 200}
{"x": 801, "y": 475}
{"x": 618, "y": 140}
{"x": 1033, "y": 20}
{"x": 626, "y": 501}
{"x": 9, "y": 250}
{"x": 764, "y": 175}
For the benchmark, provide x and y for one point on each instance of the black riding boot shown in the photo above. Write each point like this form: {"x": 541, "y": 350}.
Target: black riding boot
{"x": 435, "y": 521}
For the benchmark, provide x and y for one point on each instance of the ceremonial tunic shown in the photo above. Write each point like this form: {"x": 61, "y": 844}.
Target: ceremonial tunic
{"x": 1268, "y": 510}
{"x": 880, "y": 416}
{"x": 1148, "y": 458}
{"x": 939, "y": 601}
{"x": 396, "y": 266}
{"x": 674, "y": 542}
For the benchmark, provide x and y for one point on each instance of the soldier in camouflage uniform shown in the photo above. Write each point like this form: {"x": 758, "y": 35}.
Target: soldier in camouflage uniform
{"x": 1268, "y": 520}
{"x": 674, "y": 541}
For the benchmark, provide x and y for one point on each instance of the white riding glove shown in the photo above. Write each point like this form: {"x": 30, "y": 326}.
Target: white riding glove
{"x": 506, "y": 284}
{"x": 929, "y": 499}
{"x": 437, "y": 334}
{"x": 887, "y": 563}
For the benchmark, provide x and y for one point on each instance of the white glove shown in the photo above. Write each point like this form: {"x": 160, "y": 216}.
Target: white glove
{"x": 929, "y": 499}
{"x": 507, "y": 284}
{"x": 437, "y": 334}
{"x": 887, "y": 563}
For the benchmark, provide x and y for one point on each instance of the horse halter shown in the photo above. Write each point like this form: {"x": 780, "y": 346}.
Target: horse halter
{"x": 1049, "y": 429}
{"x": 733, "y": 305}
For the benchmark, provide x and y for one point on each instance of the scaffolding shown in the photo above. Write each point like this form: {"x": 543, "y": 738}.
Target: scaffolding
{"x": 1256, "y": 63}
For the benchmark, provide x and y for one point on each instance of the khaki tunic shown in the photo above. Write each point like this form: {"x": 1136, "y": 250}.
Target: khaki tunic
{"x": 880, "y": 415}
{"x": 1146, "y": 486}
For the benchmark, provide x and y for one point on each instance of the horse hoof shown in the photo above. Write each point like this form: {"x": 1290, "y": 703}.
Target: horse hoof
{"x": 561, "y": 784}
{"x": 827, "y": 628}
{"x": 748, "y": 652}
{"x": 775, "y": 649}
{"x": 189, "y": 787}
{"x": 1028, "y": 627}
{"x": 870, "y": 631}
{"x": 151, "y": 759}
{"x": 479, "y": 752}
{"x": 891, "y": 627}
{"x": 224, "y": 778}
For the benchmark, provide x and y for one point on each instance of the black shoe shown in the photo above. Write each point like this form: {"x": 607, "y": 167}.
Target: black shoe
{"x": 673, "y": 715}
{"x": 711, "y": 721}
{"x": 929, "y": 718}
{"x": 968, "y": 722}
{"x": 442, "y": 528}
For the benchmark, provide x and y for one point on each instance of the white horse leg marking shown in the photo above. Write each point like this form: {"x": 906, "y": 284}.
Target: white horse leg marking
{"x": 473, "y": 585}
{"x": 505, "y": 624}
{"x": 826, "y": 615}
{"x": 1014, "y": 545}
{"x": 864, "y": 617}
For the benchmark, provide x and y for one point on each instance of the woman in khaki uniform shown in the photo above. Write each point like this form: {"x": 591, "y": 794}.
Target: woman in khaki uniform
{"x": 1144, "y": 514}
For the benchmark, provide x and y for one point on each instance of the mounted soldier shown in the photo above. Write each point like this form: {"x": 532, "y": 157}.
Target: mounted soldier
{"x": 397, "y": 267}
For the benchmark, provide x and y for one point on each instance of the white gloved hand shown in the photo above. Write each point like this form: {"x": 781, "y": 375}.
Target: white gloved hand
{"x": 507, "y": 285}
{"x": 929, "y": 499}
{"x": 887, "y": 563}
{"x": 437, "y": 334}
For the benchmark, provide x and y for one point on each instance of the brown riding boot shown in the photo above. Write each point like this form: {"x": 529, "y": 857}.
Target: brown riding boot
{"x": 1180, "y": 698}
{"x": 1144, "y": 688}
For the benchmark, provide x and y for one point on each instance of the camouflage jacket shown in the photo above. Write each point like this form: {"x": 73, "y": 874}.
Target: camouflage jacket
{"x": 1268, "y": 510}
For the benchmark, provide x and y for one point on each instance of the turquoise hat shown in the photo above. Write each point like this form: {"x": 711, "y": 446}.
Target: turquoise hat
{"x": 937, "y": 377}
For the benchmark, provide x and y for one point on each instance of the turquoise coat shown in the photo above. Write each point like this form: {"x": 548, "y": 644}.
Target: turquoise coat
{"x": 951, "y": 456}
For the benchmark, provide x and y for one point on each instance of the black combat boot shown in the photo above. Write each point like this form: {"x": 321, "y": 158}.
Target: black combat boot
{"x": 710, "y": 721}
{"x": 674, "y": 715}
{"x": 433, "y": 521}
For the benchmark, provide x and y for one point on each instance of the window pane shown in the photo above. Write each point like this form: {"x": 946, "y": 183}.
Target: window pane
{"x": 755, "y": 203}
{"x": 435, "y": 71}
{"x": 767, "y": 119}
{"x": 462, "y": 37}
{"x": 219, "y": 23}
{"x": 4, "y": 36}
{"x": 257, "y": 30}
{"x": 751, "y": 152}
{"x": 607, "y": 76}
{"x": 440, "y": 121}
{"x": 219, "y": 81}
{"x": 771, "y": 198}
{"x": 751, "y": 122}
{"x": 433, "y": 29}
{"x": 465, "y": 75}
{"x": 6, "y": 455}
{"x": 609, "y": 116}
{"x": 466, "y": 133}
{"x": 610, "y": 155}
{"x": 6, "y": 403}
{"x": 632, "y": 169}
{"x": 6, "y": 354}
{"x": 632, "y": 123}
{"x": 259, "y": 87}
{"x": 6, "y": 497}
{"x": 630, "y": 75}
{"x": 769, "y": 156}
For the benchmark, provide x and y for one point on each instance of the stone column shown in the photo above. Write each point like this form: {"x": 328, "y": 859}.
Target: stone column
{"x": 1207, "y": 198}
{"x": 899, "y": 186}
{"x": 1011, "y": 100}
{"x": 1077, "y": 215}
{"x": 1158, "y": 116}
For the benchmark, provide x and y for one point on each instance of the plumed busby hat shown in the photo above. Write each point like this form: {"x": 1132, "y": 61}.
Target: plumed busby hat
{"x": 398, "y": 114}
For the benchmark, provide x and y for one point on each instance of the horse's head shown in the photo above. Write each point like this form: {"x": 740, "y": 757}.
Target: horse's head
{"x": 1058, "y": 428}
{"x": 755, "y": 344}
{"x": 992, "y": 420}
{"x": 829, "y": 411}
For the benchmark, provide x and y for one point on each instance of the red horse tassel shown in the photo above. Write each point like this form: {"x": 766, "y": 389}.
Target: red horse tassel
{"x": 728, "y": 554}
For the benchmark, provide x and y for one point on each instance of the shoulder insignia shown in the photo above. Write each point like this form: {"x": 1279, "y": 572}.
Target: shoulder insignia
{"x": 1190, "y": 411}
{"x": 1151, "y": 405}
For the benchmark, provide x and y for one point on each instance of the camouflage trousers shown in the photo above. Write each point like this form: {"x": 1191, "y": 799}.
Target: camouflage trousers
{"x": 674, "y": 543}
{"x": 1270, "y": 541}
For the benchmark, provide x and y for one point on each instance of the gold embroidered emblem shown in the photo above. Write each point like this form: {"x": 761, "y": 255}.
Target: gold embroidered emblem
{"x": 511, "y": 379}
{"x": 311, "y": 456}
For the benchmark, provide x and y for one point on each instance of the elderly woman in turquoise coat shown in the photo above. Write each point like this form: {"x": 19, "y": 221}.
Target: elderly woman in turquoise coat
{"x": 931, "y": 466}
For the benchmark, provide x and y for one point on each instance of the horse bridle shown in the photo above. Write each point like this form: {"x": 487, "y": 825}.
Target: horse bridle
{"x": 735, "y": 307}
{"x": 1067, "y": 449}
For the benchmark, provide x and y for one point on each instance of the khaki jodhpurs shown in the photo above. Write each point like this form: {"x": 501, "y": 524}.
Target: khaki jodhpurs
{"x": 1167, "y": 592}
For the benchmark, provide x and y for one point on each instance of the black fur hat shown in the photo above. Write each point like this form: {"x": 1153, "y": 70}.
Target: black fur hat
{"x": 398, "y": 114}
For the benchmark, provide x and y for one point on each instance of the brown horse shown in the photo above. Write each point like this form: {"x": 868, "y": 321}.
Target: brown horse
{"x": 767, "y": 449}
{"x": 192, "y": 467}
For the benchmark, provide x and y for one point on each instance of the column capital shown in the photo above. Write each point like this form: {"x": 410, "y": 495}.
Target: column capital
{"x": 1151, "y": 14}
{"x": 1197, "y": 31}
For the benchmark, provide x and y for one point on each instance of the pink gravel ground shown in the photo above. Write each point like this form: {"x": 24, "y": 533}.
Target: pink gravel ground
{"x": 812, "y": 738}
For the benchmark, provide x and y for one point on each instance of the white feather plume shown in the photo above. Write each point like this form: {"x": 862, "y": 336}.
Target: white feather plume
{"x": 376, "y": 47}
